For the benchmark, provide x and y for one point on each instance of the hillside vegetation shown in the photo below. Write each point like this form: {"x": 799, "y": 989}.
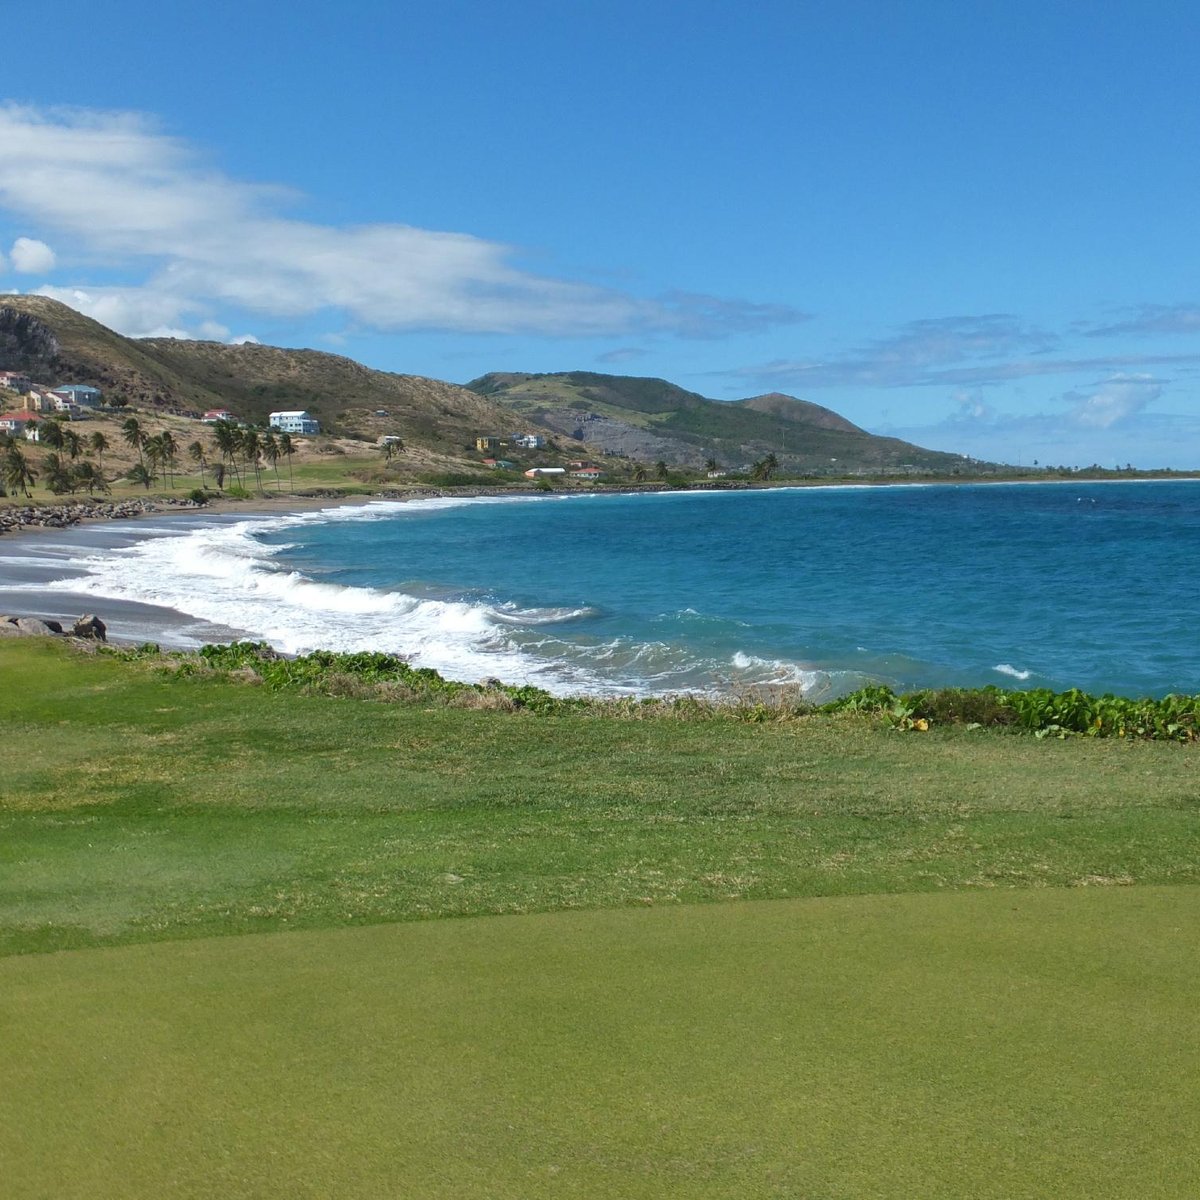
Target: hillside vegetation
{"x": 651, "y": 418}
{"x": 627, "y": 421}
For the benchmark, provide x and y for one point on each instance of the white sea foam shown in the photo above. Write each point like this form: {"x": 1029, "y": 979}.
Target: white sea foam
{"x": 223, "y": 573}
{"x": 1011, "y": 671}
{"x": 751, "y": 669}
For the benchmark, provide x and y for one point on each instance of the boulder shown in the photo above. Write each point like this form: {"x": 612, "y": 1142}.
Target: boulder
{"x": 35, "y": 627}
{"x": 91, "y": 627}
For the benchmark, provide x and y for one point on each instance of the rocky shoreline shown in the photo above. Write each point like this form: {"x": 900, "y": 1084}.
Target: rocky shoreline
{"x": 60, "y": 516}
{"x": 87, "y": 628}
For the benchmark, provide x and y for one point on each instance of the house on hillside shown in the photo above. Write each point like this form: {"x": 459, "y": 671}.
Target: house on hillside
{"x": 82, "y": 395}
{"x": 294, "y": 421}
{"x": 544, "y": 472}
{"x": 499, "y": 464}
{"x": 214, "y": 415}
{"x": 529, "y": 441}
{"x": 487, "y": 443}
{"x": 15, "y": 382}
{"x": 22, "y": 424}
{"x": 588, "y": 472}
{"x": 38, "y": 400}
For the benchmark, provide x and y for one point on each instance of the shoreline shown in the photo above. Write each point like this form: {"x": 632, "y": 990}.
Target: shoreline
{"x": 48, "y": 577}
{"x": 65, "y": 514}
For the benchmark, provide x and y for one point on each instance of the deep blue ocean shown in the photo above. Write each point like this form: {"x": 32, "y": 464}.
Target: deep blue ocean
{"x": 1062, "y": 585}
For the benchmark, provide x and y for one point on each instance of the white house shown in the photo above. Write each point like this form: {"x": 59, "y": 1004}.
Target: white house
{"x": 80, "y": 394}
{"x": 296, "y": 421}
{"x": 540, "y": 472}
{"x": 529, "y": 441}
{"x": 218, "y": 414}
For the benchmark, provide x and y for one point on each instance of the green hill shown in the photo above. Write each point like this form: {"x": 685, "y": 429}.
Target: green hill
{"x": 56, "y": 344}
{"x": 639, "y": 420}
{"x": 653, "y": 419}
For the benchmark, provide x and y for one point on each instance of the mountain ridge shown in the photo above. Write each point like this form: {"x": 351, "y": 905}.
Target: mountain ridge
{"x": 631, "y": 418}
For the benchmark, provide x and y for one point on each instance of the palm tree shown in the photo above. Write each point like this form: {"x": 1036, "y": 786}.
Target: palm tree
{"x": 711, "y": 464}
{"x": 50, "y": 434}
{"x": 639, "y": 473}
{"x": 770, "y": 466}
{"x": 196, "y": 454}
{"x": 169, "y": 448}
{"x": 228, "y": 440}
{"x": 139, "y": 473}
{"x": 18, "y": 475}
{"x": 99, "y": 443}
{"x": 86, "y": 474}
{"x": 135, "y": 436}
{"x": 252, "y": 452}
{"x": 287, "y": 449}
{"x": 270, "y": 451}
{"x": 661, "y": 470}
{"x": 55, "y": 474}
{"x": 155, "y": 455}
{"x": 72, "y": 442}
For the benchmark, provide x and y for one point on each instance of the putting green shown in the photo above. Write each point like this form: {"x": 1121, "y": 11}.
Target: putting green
{"x": 998, "y": 1044}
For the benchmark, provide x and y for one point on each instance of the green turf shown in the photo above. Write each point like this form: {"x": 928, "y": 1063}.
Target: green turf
{"x": 1000, "y": 1044}
{"x": 140, "y": 806}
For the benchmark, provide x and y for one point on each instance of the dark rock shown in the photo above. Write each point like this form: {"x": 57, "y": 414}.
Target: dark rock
{"x": 90, "y": 626}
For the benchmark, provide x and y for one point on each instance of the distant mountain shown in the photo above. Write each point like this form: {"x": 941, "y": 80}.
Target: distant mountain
{"x": 652, "y": 419}
{"x": 623, "y": 417}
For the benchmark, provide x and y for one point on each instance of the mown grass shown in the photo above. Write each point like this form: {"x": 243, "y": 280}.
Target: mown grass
{"x": 1013, "y": 1026}
{"x": 1008, "y": 1044}
{"x": 142, "y": 806}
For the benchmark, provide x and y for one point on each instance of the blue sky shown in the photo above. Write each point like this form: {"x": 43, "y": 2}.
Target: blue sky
{"x": 974, "y": 226}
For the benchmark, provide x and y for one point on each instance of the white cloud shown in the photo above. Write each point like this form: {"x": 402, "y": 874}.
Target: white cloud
{"x": 138, "y": 312}
{"x": 1115, "y": 400}
{"x": 123, "y": 191}
{"x": 244, "y": 339}
{"x": 31, "y": 257}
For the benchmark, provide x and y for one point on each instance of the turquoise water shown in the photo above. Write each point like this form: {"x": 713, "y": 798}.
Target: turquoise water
{"x": 1092, "y": 586}
{"x": 1072, "y": 585}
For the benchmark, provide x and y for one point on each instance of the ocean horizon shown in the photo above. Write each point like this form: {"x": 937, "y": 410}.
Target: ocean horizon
{"x": 823, "y": 589}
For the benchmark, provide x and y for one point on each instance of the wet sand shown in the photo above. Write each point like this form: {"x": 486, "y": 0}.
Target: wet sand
{"x": 38, "y": 563}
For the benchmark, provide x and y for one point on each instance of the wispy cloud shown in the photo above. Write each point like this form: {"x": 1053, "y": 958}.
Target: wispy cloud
{"x": 622, "y": 354}
{"x": 125, "y": 196}
{"x": 916, "y": 354}
{"x": 1150, "y": 319}
{"x": 1116, "y": 400}
{"x": 1109, "y": 422}
{"x": 959, "y": 352}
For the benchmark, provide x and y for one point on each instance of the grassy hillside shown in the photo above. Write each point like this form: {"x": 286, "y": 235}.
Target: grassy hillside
{"x": 630, "y": 414}
{"x": 167, "y": 376}
{"x": 1013, "y": 1025}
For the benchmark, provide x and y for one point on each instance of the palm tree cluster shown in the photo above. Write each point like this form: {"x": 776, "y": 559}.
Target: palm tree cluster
{"x": 764, "y": 468}
{"x": 157, "y": 453}
{"x": 247, "y": 448}
{"x": 66, "y": 468}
